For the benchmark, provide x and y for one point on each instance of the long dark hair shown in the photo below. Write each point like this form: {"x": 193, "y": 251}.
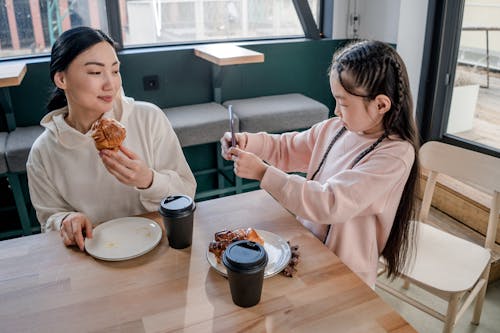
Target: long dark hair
{"x": 66, "y": 48}
{"x": 371, "y": 68}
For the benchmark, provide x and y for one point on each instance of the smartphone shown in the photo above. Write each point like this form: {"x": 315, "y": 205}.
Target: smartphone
{"x": 231, "y": 126}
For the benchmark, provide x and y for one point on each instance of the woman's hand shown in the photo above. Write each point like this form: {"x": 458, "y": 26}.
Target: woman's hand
{"x": 127, "y": 167}
{"x": 72, "y": 228}
{"x": 247, "y": 165}
{"x": 225, "y": 142}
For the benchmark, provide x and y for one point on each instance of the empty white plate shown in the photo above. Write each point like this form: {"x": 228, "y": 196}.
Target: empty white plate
{"x": 123, "y": 238}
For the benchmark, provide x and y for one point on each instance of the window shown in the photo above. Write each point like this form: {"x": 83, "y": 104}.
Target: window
{"x": 30, "y": 27}
{"x": 475, "y": 98}
{"x": 459, "y": 88}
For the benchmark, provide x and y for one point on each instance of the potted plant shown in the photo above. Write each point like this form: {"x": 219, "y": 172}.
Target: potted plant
{"x": 463, "y": 103}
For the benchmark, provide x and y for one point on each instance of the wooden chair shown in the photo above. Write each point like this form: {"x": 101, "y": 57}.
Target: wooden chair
{"x": 447, "y": 266}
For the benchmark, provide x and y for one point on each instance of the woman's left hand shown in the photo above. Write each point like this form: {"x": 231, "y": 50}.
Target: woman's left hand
{"x": 127, "y": 167}
{"x": 247, "y": 165}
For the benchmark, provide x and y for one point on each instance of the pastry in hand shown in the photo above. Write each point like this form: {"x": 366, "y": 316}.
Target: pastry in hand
{"x": 108, "y": 134}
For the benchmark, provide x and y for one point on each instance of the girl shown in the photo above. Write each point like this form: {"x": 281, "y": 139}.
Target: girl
{"x": 72, "y": 186}
{"x": 362, "y": 167}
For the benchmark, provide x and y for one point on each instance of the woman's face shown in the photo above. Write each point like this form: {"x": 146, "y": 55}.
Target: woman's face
{"x": 92, "y": 80}
{"x": 357, "y": 114}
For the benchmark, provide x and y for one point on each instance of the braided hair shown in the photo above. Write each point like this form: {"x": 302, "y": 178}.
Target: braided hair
{"x": 368, "y": 69}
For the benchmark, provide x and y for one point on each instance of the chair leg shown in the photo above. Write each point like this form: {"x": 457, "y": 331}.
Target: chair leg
{"x": 478, "y": 307}
{"x": 20, "y": 202}
{"x": 406, "y": 284}
{"x": 451, "y": 313}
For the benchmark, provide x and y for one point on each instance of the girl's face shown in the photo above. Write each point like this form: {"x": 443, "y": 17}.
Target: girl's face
{"x": 92, "y": 80}
{"x": 357, "y": 113}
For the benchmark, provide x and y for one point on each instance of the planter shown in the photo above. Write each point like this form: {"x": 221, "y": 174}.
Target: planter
{"x": 463, "y": 107}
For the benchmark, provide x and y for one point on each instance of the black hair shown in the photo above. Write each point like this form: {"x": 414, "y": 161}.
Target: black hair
{"x": 66, "y": 48}
{"x": 372, "y": 68}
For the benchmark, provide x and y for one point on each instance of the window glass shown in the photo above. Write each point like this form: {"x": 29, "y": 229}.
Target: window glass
{"x": 171, "y": 21}
{"x": 30, "y": 27}
{"x": 474, "y": 111}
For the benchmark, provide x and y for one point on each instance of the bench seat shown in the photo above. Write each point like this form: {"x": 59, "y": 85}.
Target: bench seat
{"x": 19, "y": 144}
{"x": 3, "y": 161}
{"x": 199, "y": 123}
{"x": 278, "y": 113}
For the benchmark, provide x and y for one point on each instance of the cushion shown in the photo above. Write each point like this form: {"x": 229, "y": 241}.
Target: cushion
{"x": 19, "y": 144}
{"x": 278, "y": 113}
{"x": 200, "y": 123}
{"x": 3, "y": 161}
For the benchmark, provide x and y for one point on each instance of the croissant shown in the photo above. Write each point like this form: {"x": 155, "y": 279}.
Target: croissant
{"x": 108, "y": 134}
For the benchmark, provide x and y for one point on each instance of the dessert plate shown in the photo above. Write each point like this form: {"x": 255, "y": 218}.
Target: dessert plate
{"x": 123, "y": 238}
{"x": 277, "y": 249}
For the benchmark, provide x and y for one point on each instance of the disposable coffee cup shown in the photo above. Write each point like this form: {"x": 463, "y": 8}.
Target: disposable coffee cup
{"x": 177, "y": 212}
{"x": 245, "y": 262}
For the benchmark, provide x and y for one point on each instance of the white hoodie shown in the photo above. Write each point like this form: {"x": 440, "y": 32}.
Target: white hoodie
{"x": 66, "y": 174}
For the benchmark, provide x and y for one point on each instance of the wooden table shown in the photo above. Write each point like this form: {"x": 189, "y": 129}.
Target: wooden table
{"x": 47, "y": 287}
{"x": 11, "y": 74}
{"x": 223, "y": 55}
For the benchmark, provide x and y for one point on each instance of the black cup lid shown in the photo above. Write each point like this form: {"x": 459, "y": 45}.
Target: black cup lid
{"x": 244, "y": 255}
{"x": 177, "y": 206}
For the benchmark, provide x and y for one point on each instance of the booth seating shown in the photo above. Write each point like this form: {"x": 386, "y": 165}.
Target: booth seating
{"x": 278, "y": 113}
{"x": 3, "y": 161}
{"x": 199, "y": 124}
{"x": 17, "y": 148}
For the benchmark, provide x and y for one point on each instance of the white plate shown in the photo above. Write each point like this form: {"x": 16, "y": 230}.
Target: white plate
{"x": 123, "y": 238}
{"x": 277, "y": 249}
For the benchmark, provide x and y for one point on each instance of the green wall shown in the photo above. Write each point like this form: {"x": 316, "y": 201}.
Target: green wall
{"x": 291, "y": 66}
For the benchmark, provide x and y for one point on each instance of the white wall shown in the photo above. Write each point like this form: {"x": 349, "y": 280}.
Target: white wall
{"x": 394, "y": 21}
{"x": 410, "y": 42}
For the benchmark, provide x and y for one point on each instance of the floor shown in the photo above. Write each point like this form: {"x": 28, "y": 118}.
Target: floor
{"x": 422, "y": 322}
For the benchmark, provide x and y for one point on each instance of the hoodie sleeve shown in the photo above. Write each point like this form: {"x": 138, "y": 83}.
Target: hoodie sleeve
{"x": 171, "y": 172}
{"x": 290, "y": 152}
{"x": 343, "y": 195}
{"x": 51, "y": 208}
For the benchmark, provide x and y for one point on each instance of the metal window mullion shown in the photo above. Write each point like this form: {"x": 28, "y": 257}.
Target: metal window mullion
{"x": 306, "y": 19}
{"x": 114, "y": 21}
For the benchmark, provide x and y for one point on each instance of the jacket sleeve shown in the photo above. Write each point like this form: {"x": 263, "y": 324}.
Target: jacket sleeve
{"x": 290, "y": 152}
{"x": 344, "y": 195}
{"x": 171, "y": 172}
{"x": 51, "y": 208}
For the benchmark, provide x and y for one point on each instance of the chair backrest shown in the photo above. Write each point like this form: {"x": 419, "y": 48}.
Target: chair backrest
{"x": 471, "y": 167}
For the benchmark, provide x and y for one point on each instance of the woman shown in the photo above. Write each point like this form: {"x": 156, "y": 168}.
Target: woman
{"x": 73, "y": 185}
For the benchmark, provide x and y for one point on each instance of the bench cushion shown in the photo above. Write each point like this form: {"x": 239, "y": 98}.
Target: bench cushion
{"x": 199, "y": 123}
{"x": 3, "y": 161}
{"x": 278, "y": 113}
{"x": 19, "y": 144}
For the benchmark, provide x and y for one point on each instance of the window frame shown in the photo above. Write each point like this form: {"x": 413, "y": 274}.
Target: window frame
{"x": 440, "y": 57}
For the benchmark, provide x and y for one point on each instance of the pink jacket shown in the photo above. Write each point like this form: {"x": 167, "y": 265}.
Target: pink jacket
{"x": 359, "y": 203}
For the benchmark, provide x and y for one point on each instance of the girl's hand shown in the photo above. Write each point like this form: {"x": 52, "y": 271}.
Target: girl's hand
{"x": 247, "y": 165}
{"x": 225, "y": 142}
{"x": 127, "y": 167}
{"x": 72, "y": 228}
